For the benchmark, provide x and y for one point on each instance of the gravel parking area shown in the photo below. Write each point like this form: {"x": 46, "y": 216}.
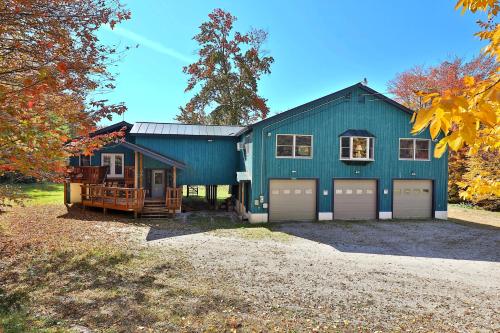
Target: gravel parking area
{"x": 413, "y": 275}
{"x": 211, "y": 272}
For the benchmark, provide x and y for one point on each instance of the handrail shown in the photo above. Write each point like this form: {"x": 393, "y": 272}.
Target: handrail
{"x": 121, "y": 198}
{"x": 98, "y": 175}
{"x": 173, "y": 198}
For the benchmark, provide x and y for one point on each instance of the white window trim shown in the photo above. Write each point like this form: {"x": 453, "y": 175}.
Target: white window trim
{"x": 112, "y": 166}
{"x": 350, "y": 148}
{"x": 80, "y": 160}
{"x": 415, "y": 150}
{"x": 293, "y": 147}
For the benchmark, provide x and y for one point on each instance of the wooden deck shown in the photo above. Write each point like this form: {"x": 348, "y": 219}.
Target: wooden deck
{"x": 128, "y": 199}
{"x": 119, "y": 198}
{"x": 124, "y": 194}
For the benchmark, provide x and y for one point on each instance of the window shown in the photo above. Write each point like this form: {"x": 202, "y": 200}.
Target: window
{"x": 85, "y": 160}
{"x": 158, "y": 178}
{"x": 356, "y": 148}
{"x": 414, "y": 149}
{"x": 293, "y": 146}
{"x": 115, "y": 163}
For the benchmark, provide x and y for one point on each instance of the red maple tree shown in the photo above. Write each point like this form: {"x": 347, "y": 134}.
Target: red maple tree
{"x": 51, "y": 65}
{"x": 448, "y": 75}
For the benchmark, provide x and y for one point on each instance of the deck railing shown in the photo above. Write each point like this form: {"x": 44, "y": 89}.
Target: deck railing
{"x": 119, "y": 198}
{"x": 88, "y": 174}
{"x": 98, "y": 175}
{"x": 173, "y": 199}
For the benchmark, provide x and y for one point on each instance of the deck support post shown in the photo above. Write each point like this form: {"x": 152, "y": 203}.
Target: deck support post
{"x": 209, "y": 195}
{"x": 105, "y": 210}
{"x": 174, "y": 177}
{"x": 136, "y": 169}
{"x": 140, "y": 170}
{"x": 135, "y": 215}
{"x": 215, "y": 196}
{"x": 242, "y": 205}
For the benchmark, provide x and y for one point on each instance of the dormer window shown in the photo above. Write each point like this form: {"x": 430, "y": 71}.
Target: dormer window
{"x": 357, "y": 145}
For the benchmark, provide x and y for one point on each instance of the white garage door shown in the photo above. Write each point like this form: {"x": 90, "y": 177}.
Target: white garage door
{"x": 292, "y": 200}
{"x": 355, "y": 199}
{"x": 412, "y": 199}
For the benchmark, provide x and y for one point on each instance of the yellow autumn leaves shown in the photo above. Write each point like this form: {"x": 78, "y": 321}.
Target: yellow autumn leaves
{"x": 470, "y": 116}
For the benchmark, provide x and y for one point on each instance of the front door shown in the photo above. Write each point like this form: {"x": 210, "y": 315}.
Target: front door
{"x": 158, "y": 183}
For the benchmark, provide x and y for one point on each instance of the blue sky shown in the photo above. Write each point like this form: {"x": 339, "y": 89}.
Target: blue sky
{"x": 318, "y": 47}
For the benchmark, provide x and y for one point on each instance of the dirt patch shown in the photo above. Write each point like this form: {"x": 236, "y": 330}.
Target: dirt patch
{"x": 61, "y": 270}
{"x": 466, "y": 215}
{"x": 211, "y": 272}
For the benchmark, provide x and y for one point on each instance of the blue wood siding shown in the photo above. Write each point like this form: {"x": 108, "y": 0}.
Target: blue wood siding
{"x": 325, "y": 122}
{"x": 113, "y": 148}
{"x": 96, "y": 158}
{"x": 208, "y": 162}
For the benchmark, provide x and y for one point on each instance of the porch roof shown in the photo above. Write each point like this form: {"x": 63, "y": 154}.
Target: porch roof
{"x": 154, "y": 155}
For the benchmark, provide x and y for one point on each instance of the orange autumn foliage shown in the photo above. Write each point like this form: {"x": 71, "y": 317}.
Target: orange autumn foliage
{"x": 52, "y": 64}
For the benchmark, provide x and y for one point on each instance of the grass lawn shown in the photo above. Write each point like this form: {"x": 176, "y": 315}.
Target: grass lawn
{"x": 222, "y": 191}
{"x": 52, "y": 193}
{"x": 460, "y": 213}
{"x": 43, "y": 193}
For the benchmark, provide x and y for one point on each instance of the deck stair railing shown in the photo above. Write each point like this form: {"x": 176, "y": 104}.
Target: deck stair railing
{"x": 173, "y": 200}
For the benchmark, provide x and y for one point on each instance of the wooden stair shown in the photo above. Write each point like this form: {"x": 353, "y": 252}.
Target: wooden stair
{"x": 155, "y": 210}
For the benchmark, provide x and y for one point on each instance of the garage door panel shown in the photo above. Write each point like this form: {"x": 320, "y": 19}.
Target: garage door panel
{"x": 292, "y": 200}
{"x": 412, "y": 198}
{"x": 355, "y": 199}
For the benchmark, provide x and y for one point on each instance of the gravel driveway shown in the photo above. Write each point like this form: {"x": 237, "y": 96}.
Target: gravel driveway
{"x": 417, "y": 275}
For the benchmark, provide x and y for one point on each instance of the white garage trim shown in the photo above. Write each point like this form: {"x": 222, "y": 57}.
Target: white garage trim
{"x": 325, "y": 216}
{"x": 257, "y": 217}
{"x": 385, "y": 215}
{"x": 441, "y": 214}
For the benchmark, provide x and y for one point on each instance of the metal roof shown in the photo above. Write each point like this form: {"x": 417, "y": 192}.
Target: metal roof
{"x": 112, "y": 128}
{"x": 183, "y": 129}
{"x": 357, "y": 132}
{"x": 154, "y": 155}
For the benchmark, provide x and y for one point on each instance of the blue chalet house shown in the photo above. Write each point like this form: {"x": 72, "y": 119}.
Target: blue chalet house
{"x": 348, "y": 155}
